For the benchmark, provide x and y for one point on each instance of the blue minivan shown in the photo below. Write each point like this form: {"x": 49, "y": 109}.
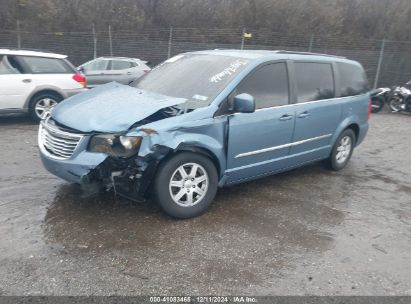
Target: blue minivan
{"x": 208, "y": 119}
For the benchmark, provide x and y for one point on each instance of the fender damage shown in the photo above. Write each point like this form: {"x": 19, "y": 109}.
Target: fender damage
{"x": 132, "y": 177}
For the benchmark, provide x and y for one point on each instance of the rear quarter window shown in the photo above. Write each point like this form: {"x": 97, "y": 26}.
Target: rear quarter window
{"x": 42, "y": 65}
{"x": 353, "y": 80}
{"x": 6, "y": 66}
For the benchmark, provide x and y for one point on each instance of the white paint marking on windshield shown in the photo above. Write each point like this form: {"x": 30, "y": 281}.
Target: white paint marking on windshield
{"x": 228, "y": 71}
{"x": 200, "y": 97}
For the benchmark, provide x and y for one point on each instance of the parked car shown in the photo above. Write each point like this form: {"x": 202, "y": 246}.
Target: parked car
{"x": 107, "y": 69}
{"x": 34, "y": 82}
{"x": 209, "y": 119}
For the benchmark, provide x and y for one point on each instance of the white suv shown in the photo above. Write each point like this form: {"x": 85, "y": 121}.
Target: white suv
{"x": 34, "y": 82}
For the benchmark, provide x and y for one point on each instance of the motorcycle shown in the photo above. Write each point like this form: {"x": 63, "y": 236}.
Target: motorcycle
{"x": 378, "y": 98}
{"x": 401, "y": 99}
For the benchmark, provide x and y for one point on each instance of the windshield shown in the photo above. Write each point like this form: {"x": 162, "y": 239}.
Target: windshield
{"x": 198, "y": 78}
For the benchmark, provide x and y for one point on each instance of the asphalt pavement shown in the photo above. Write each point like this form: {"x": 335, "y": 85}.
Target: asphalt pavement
{"x": 308, "y": 231}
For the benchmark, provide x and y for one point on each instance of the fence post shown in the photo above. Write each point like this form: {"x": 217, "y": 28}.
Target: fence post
{"x": 18, "y": 34}
{"x": 242, "y": 39}
{"x": 94, "y": 41}
{"x": 170, "y": 41}
{"x": 377, "y": 75}
{"x": 110, "y": 40}
{"x": 310, "y": 48}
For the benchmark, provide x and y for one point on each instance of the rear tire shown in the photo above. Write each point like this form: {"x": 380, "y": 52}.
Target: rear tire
{"x": 185, "y": 185}
{"x": 342, "y": 150}
{"x": 395, "y": 105}
{"x": 41, "y": 104}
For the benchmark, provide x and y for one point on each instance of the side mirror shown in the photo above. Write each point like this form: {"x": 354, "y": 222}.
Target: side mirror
{"x": 243, "y": 103}
{"x": 80, "y": 69}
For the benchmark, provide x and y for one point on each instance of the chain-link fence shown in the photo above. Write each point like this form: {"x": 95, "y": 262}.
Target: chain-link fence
{"x": 386, "y": 62}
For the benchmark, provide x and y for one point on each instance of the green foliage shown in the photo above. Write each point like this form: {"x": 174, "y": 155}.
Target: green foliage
{"x": 359, "y": 18}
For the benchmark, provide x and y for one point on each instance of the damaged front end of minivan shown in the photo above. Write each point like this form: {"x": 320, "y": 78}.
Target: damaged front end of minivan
{"x": 119, "y": 148}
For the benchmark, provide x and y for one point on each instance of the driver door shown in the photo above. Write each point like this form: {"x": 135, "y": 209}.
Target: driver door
{"x": 259, "y": 142}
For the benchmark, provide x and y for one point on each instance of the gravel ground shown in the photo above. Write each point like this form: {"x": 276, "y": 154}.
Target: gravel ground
{"x": 308, "y": 231}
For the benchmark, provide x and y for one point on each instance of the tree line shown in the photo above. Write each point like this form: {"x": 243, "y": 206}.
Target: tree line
{"x": 357, "y": 18}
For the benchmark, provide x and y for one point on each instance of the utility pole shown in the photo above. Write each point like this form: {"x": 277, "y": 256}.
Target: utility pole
{"x": 310, "y": 48}
{"x": 377, "y": 75}
{"x": 94, "y": 41}
{"x": 242, "y": 39}
{"x": 110, "y": 39}
{"x": 170, "y": 41}
{"x": 18, "y": 35}
{"x": 18, "y": 5}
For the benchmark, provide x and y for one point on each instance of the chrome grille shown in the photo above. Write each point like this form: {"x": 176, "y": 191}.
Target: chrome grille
{"x": 57, "y": 143}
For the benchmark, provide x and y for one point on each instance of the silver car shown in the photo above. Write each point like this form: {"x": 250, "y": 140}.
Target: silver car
{"x": 107, "y": 69}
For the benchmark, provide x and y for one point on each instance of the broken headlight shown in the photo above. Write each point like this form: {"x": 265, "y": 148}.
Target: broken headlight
{"x": 115, "y": 145}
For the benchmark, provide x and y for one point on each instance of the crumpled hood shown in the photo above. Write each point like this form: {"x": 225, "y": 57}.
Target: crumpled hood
{"x": 112, "y": 107}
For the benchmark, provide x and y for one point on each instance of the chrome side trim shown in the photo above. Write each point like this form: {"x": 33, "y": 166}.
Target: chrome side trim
{"x": 282, "y": 146}
{"x": 297, "y": 104}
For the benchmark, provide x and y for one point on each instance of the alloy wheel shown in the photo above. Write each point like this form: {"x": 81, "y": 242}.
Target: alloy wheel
{"x": 44, "y": 106}
{"x": 188, "y": 184}
{"x": 344, "y": 149}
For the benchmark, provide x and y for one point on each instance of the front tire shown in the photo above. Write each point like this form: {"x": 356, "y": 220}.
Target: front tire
{"x": 186, "y": 185}
{"x": 342, "y": 150}
{"x": 41, "y": 104}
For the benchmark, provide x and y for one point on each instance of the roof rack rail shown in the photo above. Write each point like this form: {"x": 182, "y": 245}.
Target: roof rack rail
{"x": 308, "y": 53}
{"x": 29, "y": 49}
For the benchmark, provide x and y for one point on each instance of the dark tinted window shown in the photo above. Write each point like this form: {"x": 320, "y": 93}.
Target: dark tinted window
{"x": 268, "y": 85}
{"x": 314, "y": 81}
{"x": 353, "y": 80}
{"x": 41, "y": 65}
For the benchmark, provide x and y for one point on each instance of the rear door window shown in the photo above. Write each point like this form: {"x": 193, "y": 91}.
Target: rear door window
{"x": 97, "y": 65}
{"x": 268, "y": 85}
{"x": 42, "y": 65}
{"x": 353, "y": 80}
{"x": 121, "y": 65}
{"x": 314, "y": 81}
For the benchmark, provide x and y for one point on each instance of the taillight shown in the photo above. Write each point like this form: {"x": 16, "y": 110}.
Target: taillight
{"x": 81, "y": 79}
{"x": 369, "y": 108}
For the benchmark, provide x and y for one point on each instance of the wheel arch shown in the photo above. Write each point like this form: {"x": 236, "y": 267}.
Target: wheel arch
{"x": 201, "y": 150}
{"x": 352, "y": 123}
{"x": 43, "y": 90}
{"x": 356, "y": 128}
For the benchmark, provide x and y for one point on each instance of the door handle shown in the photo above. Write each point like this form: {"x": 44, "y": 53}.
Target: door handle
{"x": 128, "y": 73}
{"x": 26, "y": 80}
{"x": 286, "y": 117}
{"x": 304, "y": 114}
